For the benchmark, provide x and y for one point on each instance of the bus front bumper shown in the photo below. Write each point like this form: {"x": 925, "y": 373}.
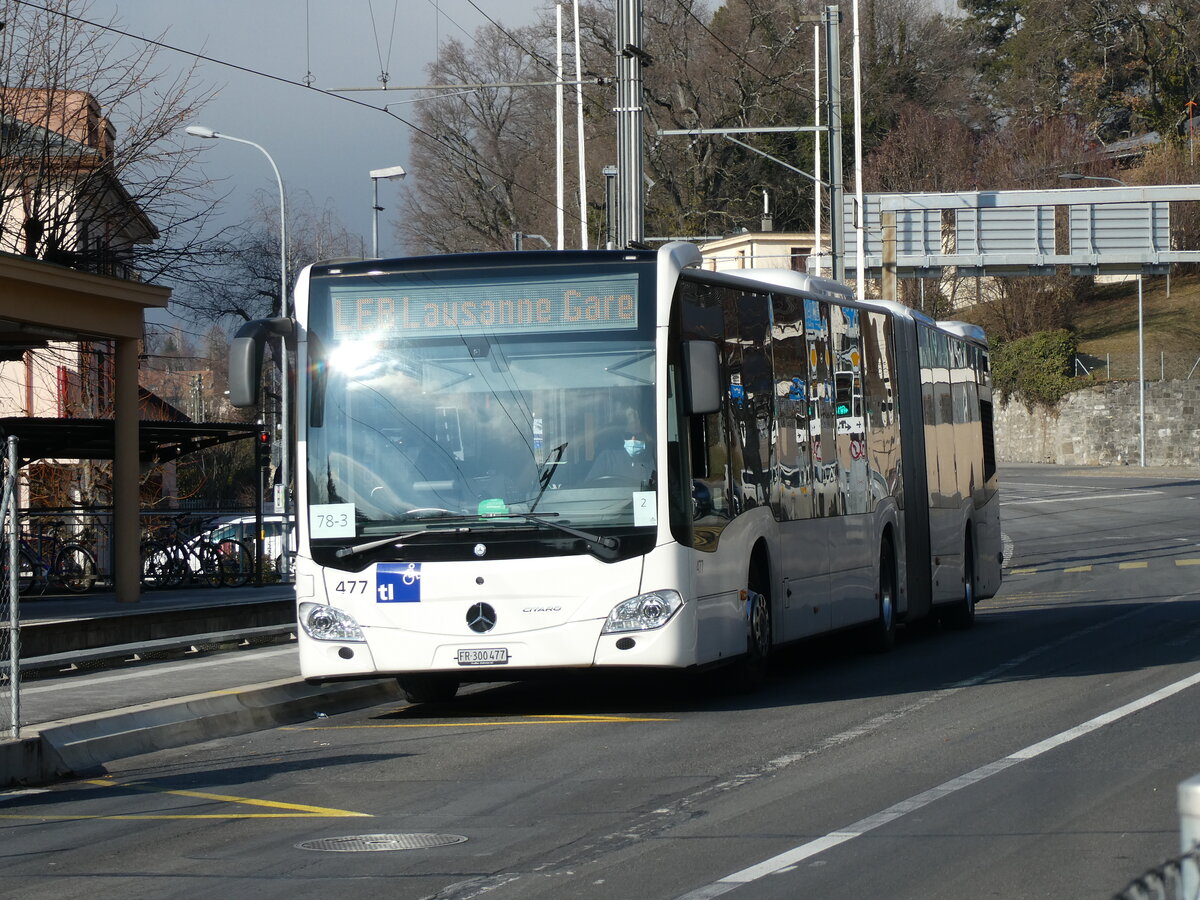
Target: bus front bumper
{"x": 394, "y": 651}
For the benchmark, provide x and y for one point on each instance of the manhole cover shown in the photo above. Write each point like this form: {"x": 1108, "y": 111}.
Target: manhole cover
{"x": 362, "y": 843}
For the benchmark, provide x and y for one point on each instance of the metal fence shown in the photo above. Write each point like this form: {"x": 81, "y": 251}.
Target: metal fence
{"x": 44, "y": 532}
{"x": 1160, "y": 365}
{"x": 1178, "y": 878}
{"x": 1175, "y": 879}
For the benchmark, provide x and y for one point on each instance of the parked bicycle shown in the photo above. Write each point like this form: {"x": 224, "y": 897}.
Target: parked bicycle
{"x": 174, "y": 559}
{"x": 207, "y": 557}
{"x": 45, "y": 558}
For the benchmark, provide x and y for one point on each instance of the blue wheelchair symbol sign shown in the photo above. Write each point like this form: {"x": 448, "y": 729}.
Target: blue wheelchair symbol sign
{"x": 398, "y": 583}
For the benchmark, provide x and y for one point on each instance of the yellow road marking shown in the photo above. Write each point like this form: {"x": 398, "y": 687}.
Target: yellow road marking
{"x": 292, "y": 810}
{"x": 1187, "y": 562}
{"x": 1078, "y": 569}
{"x": 1023, "y": 572}
{"x": 1133, "y": 565}
{"x": 156, "y": 816}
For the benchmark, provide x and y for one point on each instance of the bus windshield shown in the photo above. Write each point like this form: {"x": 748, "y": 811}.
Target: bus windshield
{"x": 427, "y": 405}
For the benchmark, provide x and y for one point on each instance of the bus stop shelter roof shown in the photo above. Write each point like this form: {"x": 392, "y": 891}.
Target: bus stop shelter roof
{"x": 158, "y": 442}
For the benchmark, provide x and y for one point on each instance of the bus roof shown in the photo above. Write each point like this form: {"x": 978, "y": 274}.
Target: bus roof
{"x": 491, "y": 259}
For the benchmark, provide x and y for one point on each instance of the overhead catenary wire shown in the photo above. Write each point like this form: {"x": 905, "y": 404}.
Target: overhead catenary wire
{"x": 282, "y": 80}
{"x": 384, "y": 76}
{"x": 545, "y": 63}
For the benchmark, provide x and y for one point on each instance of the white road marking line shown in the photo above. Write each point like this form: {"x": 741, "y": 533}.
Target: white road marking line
{"x": 804, "y": 851}
{"x": 1076, "y": 498}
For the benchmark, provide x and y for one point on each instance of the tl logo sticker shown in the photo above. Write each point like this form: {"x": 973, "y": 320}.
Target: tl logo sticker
{"x": 398, "y": 583}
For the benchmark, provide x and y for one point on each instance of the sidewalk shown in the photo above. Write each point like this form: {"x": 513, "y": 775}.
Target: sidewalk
{"x": 110, "y": 680}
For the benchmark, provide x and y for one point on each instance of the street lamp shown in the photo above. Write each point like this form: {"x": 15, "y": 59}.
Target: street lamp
{"x": 1076, "y": 176}
{"x": 394, "y": 173}
{"x": 285, "y": 469}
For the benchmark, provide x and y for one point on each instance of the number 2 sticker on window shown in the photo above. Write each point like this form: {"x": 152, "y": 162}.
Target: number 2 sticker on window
{"x": 645, "y": 509}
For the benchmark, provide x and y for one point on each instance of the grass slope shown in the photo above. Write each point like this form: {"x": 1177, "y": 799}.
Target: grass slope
{"x": 1107, "y": 323}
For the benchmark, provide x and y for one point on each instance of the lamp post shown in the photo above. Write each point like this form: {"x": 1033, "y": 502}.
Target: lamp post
{"x": 1076, "y": 176}
{"x": 285, "y": 469}
{"x": 393, "y": 173}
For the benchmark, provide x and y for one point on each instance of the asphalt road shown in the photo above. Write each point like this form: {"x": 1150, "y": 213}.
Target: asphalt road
{"x": 1036, "y": 755}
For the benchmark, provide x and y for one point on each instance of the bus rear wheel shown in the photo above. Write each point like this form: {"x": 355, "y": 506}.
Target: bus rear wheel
{"x": 427, "y": 688}
{"x": 883, "y": 632}
{"x": 961, "y": 613}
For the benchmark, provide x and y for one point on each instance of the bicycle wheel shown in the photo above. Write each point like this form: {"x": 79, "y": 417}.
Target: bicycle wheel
{"x": 75, "y": 568}
{"x": 26, "y": 571}
{"x": 153, "y": 560}
{"x": 176, "y": 568}
{"x": 204, "y": 565}
{"x": 237, "y": 562}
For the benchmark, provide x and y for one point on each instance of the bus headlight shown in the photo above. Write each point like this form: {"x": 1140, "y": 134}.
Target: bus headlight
{"x": 643, "y": 612}
{"x": 328, "y": 623}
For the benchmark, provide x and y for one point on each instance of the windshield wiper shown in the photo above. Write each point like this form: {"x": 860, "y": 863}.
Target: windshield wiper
{"x": 609, "y": 543}
{"x": 397, "y": 540}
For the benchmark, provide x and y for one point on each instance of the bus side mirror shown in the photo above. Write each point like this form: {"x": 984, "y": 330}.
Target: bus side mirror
{"x": 246, "y": 356}
{"x": 703, "y": 369}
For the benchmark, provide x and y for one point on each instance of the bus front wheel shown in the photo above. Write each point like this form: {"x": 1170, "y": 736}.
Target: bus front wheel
{"x": 753, "y": 666}
{"x": 427, "y": 688}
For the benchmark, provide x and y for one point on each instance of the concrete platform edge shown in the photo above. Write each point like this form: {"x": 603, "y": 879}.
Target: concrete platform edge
{"x": 59, "y": 750}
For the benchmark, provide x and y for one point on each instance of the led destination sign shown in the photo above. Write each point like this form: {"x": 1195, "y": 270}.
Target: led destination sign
{"x": 592, "y": 303}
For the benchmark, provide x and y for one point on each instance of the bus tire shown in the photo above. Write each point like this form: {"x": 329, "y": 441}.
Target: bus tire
{"x": 883, "y": 631}
{"x": 757, "y": 596}
{"x": 428, "y": 688}
{"x": 961, "y": 613}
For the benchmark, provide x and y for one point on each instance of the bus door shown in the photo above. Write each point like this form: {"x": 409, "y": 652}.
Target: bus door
{"x": 798, "y": 335}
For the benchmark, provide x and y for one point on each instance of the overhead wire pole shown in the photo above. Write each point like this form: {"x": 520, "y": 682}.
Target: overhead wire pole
{"x": 859, "y": 214}
{"x": 558, "y": 130}
{"x": 583, "y": 220}
{"x": 630, "y": 58}
{"x": 817, "y": 146}
{"x": 833, "y": 93}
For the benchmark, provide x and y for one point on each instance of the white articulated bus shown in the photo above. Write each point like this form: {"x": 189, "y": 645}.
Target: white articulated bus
{"x": 514, "y": 462}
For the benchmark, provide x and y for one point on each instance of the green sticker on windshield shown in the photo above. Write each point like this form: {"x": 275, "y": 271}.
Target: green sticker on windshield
{"x": 493, "y": 506}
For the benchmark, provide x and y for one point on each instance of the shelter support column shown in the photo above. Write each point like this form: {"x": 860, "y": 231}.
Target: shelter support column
{"x": 126, "y": 469}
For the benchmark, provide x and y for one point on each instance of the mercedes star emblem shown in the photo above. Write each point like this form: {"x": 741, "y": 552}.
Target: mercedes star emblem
{"x": 481, "y": 617}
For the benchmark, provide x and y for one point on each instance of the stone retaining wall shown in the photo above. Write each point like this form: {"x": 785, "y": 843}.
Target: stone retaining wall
{"x": 1098, "y": 426}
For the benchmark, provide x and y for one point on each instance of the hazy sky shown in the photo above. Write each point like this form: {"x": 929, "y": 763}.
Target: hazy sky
{"x": 321, "y": 145}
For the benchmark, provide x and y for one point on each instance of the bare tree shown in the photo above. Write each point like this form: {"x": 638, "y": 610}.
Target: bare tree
{"x": 483, "y": 153}
{"x": 91, "y": 173}
{"x": 249, "y": 285}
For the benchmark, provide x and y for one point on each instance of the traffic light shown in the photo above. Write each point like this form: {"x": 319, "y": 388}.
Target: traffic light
{"x": 263, "y": 448}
